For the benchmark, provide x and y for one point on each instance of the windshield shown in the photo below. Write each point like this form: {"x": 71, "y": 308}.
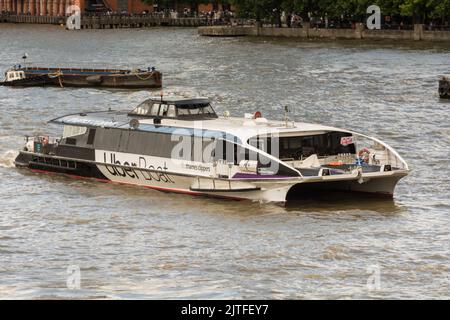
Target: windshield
{"x": 171, "y": 110}
{"x": 195, "y": 110}
{"x": 143, "y": 109}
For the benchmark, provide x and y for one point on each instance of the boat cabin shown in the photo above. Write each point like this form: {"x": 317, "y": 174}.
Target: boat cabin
{"x": 184, "y": 109}
{"x": 14, "y": 75}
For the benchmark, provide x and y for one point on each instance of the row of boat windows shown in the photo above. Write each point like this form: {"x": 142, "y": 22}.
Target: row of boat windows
{"x": 209, "y": 150}
{"x": 15, "y": 75}
{"x": 170, "y": 110}
{"x": 302, "y": 147}
{"x": 189, "y": 148}
{"x": 192, "y": 148}
{"x": 199, "y": 149}
{"x": 205, "y": 149}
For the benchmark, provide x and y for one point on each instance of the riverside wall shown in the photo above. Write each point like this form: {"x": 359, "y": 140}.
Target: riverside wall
{"x": 418, "y": 33}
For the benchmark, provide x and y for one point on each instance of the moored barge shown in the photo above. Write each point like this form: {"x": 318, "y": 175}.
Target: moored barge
{"x": 444, "y": 87}
{"x": 19, "y": 76}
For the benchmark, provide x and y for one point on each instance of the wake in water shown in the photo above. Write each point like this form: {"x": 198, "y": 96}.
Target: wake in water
{"x": 7, "y": 158}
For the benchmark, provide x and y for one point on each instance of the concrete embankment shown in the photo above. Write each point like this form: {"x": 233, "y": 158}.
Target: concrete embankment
{"x": 418, "y": 33}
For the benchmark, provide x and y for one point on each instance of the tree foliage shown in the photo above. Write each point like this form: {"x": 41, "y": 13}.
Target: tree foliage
{"x": 345, "y": 8}
{"x": 354, "y": 9}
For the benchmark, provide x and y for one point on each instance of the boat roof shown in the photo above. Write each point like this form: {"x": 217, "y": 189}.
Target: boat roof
{"x": 181, "y": 102}
{"x": 240, "y": 128}
{"x": 84, "y": 71}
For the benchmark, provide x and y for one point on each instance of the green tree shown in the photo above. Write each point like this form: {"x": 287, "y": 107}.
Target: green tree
{"x": 419, "y": 10}
{"x": 440, "y": 9}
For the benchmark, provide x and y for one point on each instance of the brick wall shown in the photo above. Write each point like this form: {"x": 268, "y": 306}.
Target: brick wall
{"x": 210, "y": 7}
{"x": 137, "y": 6}
{"x": 132, "y": 6}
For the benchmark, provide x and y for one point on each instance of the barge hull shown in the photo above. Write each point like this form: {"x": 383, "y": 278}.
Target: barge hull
{"x": 444, "y": 88}
{"x": 131, "y": 81}
{"x": 82, "y": 78}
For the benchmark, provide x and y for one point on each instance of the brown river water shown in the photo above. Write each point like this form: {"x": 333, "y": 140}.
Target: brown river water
{"x": 130, "y": 242}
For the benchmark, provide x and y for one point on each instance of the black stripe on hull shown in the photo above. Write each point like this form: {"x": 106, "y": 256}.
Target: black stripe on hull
{"x": 43, "y": 163}
{"x": 51, "y": 164}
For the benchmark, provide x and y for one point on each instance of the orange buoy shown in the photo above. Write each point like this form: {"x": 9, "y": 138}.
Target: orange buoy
{"x": 335, "y": 163}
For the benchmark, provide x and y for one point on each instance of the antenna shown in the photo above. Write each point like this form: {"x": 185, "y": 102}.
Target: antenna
{"x": 25, "y": 56}
{"x": 286, "y": 117}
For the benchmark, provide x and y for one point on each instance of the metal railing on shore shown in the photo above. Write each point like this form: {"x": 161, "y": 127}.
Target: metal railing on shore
{"x": 109, "y": 21}
{"x": 103, "y": 20}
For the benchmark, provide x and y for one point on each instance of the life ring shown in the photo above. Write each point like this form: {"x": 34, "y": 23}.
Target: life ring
{"x": 364, "y": 155}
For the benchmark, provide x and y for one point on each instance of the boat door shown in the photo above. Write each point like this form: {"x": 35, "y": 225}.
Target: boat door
{"x": 223, "y": 168}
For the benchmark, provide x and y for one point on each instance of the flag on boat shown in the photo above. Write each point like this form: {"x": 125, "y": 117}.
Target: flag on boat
{"x": 345, "y": 141}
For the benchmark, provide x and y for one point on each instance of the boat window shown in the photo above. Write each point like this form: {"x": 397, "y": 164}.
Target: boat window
{"x": 143, "y": 109}
{"x": 155, "y": 108}
{"x": 208, "y": 110}
{"x": 183, "y": 112}
{"x": 107, "y": 139}
{"x": 71, "y": 131}
{"x": 208, "y": 150}
{"x": 202, "y": 149}
{"x": 323, "y": 145}
{"x": 195, "y": 110}
{"x": 234, "y": 153}
{"x": 171, "y": 112}
{"x": 71, "y": 141}
{"x": 147, "y": 143}
{"x": 163, "y": 110}
{"x": 91, "y": 136}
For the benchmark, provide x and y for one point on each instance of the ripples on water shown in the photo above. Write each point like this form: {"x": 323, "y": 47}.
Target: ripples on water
{"x": 136, "y": 243}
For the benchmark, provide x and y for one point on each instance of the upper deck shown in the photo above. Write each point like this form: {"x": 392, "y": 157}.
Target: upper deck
{"x": 192, "y": 115}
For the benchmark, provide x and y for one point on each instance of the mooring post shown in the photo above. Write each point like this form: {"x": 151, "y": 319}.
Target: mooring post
{"x": 418, "y": 32}
{"x": 306, "y": 26}
{"x": 359, "y": 29}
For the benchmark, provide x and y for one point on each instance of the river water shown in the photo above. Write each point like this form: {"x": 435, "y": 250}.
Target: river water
{"x": 136, "y": 243}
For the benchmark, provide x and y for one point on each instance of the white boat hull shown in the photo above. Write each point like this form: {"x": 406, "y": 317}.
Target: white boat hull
{"x": 264, "y": 190}
{"x": 255, "y": 187}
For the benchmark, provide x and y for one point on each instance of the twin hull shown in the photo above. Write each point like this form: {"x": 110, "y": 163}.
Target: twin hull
{"x": 197, "y": 179}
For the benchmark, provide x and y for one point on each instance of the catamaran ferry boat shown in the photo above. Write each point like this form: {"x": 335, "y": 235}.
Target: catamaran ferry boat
{"x": 182, "y": 145}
